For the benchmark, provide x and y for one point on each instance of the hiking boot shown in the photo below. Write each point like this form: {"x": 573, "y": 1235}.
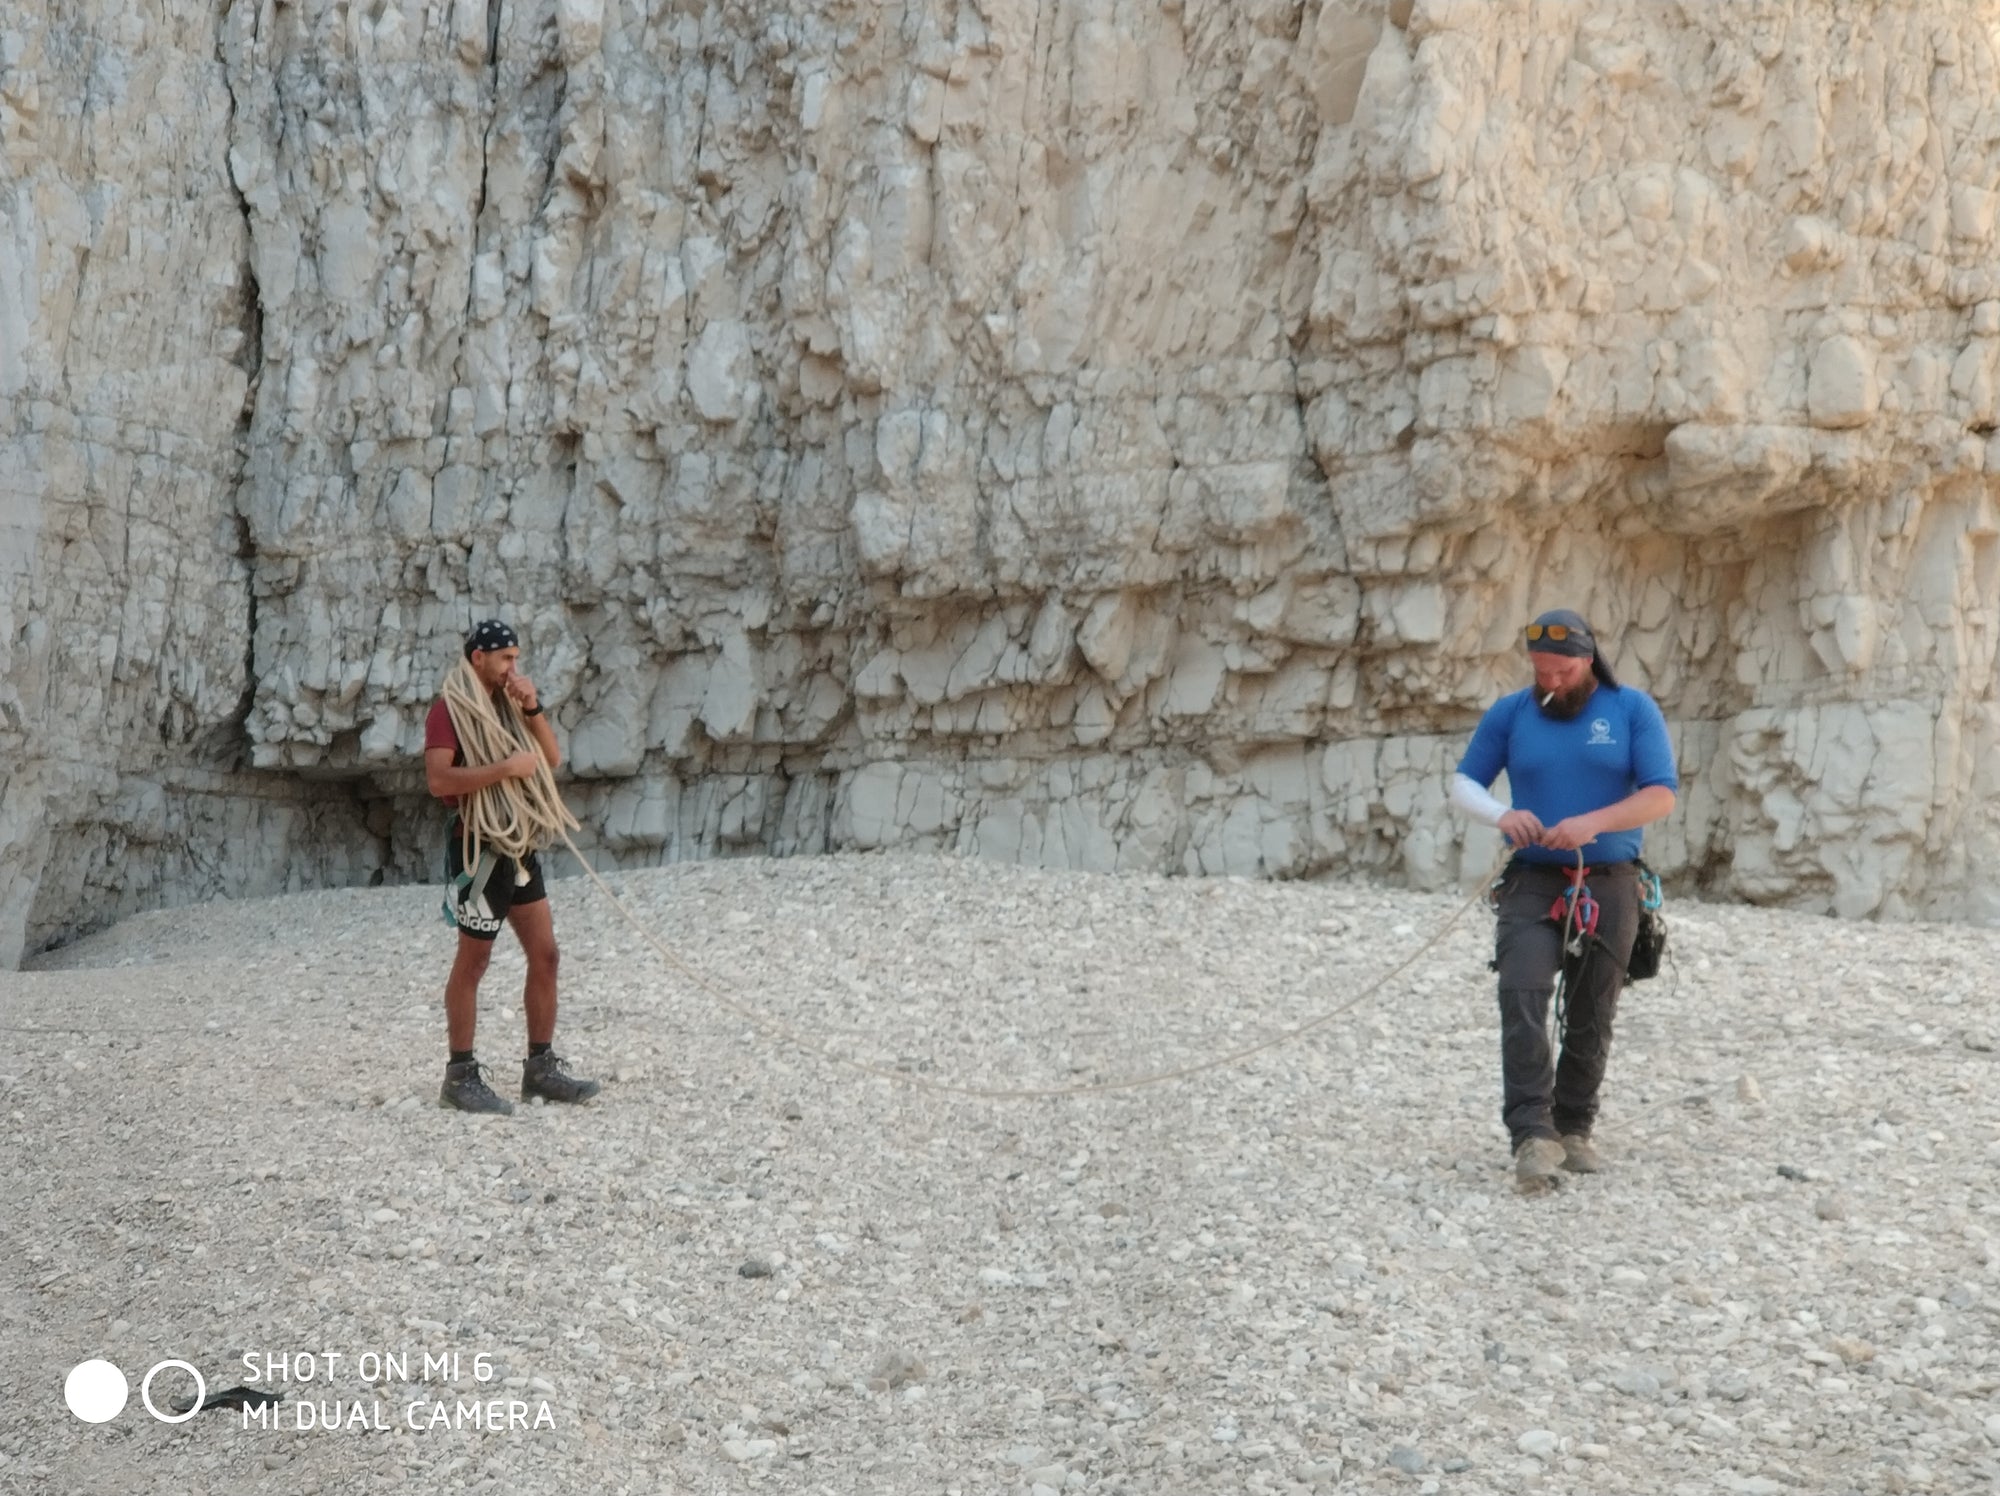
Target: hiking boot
{"x": 465, "y": 1088}
{"x": 1578, "y": 1156}
{"x": 547, "y": 1076}
{"x": 1536, "y": 1162}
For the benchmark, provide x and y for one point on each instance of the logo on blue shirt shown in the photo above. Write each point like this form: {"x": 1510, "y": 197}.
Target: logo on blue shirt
{"x": 1600, "y": 732}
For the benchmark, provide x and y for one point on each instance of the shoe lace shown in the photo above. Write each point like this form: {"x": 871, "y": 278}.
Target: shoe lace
{"x": 475, "y": 1080}
{"x": 552, "y": 1063}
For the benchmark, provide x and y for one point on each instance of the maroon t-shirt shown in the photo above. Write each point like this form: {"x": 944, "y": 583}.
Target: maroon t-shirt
{"x": 439, "y": 733}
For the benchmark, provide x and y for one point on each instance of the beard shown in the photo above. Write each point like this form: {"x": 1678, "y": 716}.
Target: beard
{"x": 1566, "y": 705}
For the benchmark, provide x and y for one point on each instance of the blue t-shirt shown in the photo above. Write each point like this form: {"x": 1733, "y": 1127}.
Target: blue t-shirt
{"x": 1616, "y": 745}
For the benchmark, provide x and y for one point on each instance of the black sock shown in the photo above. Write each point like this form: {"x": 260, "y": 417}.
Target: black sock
{"x": 461, "y": 1057}
{"x": 536, "y": 1050}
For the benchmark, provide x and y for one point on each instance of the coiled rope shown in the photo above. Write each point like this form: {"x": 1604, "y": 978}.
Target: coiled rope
{"x": 515, "y": 816}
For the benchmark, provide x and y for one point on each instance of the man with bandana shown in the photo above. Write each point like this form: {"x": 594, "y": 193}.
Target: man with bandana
{"x": 1588, "y": 765}
{"x": 515, "y": 896}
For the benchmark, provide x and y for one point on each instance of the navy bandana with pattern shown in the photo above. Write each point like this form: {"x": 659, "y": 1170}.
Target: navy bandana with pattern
{"x": 490, "y": 635}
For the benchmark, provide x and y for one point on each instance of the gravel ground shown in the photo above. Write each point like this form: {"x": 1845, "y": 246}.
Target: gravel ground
{"x": 743, "y": 1267}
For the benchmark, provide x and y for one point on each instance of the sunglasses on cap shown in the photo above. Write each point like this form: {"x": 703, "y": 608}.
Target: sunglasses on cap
{"x": 1555, "y": 631}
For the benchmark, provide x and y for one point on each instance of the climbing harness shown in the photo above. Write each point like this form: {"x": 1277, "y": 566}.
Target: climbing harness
{"x": 1575, "y": 914}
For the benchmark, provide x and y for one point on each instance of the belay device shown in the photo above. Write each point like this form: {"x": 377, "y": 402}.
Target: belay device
{"x": 1649, "y": 945}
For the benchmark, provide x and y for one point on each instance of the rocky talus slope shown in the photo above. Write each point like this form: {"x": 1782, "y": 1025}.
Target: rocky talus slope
{"x": 742, "y": 1267}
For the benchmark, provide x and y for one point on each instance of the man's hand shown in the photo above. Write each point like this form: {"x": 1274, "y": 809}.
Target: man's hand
{"x": 521, "y": 691}
{"x": 1569, "y": 834}
{"x": 1521, "y": 827}
{"x": 522, "y": 765}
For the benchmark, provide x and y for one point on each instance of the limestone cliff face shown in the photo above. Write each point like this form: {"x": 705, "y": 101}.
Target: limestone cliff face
{"x": 129, "y": 345}
{"x": 1098, "y": 433}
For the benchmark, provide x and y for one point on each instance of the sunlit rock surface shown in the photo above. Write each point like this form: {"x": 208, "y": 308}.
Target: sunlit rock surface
{"x": 1093, "y": 434}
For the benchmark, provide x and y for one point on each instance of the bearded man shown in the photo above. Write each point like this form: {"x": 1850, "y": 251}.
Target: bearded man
{"x": 487, "y": 887}
{"x": 1588, "y": 765}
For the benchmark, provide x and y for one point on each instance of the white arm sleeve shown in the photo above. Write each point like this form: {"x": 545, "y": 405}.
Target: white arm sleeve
{"x": 1472, "y": 798}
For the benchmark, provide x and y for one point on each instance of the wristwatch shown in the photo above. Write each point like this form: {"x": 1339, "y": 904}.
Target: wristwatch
{"x": 533, "y": 711}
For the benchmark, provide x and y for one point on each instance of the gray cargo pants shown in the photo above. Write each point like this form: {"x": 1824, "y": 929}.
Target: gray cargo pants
{"x": 1543, "y": 1096}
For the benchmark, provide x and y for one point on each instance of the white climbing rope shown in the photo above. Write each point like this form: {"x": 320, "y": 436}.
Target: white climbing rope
{"x": 515, "y": 816}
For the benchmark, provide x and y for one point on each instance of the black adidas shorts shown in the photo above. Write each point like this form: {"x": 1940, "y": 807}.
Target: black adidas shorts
{"x": 480, "y": 912}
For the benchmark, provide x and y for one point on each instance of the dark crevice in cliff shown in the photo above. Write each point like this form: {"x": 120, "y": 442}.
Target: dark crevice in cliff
{"x": 227, "y": 745}
{"x": 1315, "y": 469}
{"x": 493, "y": 15}
{"x": 464, "y": 370}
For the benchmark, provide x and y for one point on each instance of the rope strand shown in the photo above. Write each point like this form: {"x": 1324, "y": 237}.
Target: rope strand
{"x": 783, "y": 1030}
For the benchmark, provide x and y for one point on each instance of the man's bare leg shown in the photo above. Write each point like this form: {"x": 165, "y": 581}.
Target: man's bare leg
{"x": 544, "y": 1072}
{"x": 461, "y": 990}
{"x": 465, "y": 1087}
{"x": 535, "y": 927}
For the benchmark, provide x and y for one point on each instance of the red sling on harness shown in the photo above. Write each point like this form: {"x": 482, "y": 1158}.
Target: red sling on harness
{"x": 1579, "y": 898}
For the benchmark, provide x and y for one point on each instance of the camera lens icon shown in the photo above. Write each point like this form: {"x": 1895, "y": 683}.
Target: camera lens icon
{"x": 97, "y": 1391}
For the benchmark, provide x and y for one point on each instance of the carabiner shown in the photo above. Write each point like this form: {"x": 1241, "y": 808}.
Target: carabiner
{"x": 1650, "y": 896}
